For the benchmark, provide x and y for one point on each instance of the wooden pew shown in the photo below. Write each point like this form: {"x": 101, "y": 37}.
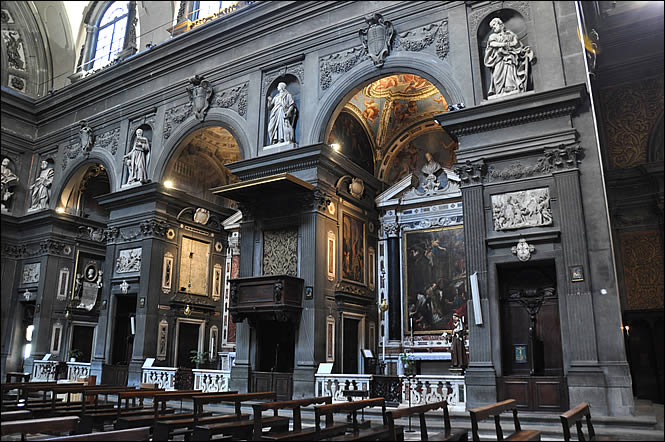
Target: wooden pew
{"x": 160, "y": 410}
{"x": 23, "y": 389}
{"x": 16, "y": 415}
{"x": 372, "y": 433}
{"x": 237, "y": 425}
{"x": 482, "y": 413}
{"x": 574, "y": 416}
{"x": 133, "y": 434}
{"x": 89, "y": 400}
{"x": 96, "y": 418}
{"x": 297, "y": 433}
{"x": 65, "y": 424}
{"x": 447, "y": 434}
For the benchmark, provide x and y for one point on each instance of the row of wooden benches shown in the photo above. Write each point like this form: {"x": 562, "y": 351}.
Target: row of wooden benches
{"x": 202, "y": 425}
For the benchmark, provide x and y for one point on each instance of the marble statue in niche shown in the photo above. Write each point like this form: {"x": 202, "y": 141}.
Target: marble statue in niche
{"x": 283, "y": 113}
{"x": 516, "y": 210}
{"x": 40, "y": 188}
{"x": 136, "y": 159}
{"x": 508, "y": 60}
{"x": 9, "y": 181}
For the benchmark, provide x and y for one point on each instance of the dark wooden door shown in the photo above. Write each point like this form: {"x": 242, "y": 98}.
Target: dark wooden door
{"x": 350, "y": 346}
{"x": 544, "y": 389}
{"x": 280, "y": 383}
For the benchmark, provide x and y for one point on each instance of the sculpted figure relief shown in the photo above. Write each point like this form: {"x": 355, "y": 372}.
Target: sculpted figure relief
{"x": 508, "y": 60}
{"x": 282, "y": 116}
{"x": 136, "y": 159}
{"x": 9, "y": 181}
{"x": 40, "y": 188}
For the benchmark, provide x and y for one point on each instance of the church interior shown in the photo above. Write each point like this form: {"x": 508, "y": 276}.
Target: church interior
{"x": 321, "y": 208}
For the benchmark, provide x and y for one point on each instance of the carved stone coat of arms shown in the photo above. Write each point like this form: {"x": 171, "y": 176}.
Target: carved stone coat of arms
{"x": 377, "y": 38}
{"x": 200, "y": 94}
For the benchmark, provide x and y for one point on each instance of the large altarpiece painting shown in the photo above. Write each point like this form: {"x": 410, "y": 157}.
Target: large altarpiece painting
{"x": 435, "y": 278}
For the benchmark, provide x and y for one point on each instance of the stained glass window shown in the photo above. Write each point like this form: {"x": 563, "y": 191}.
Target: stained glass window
{"x": 111, "y": 34}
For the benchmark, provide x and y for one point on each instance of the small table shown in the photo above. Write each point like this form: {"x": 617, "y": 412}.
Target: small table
{"x": 362, "y": 394}
{"x": 20, "y": 377}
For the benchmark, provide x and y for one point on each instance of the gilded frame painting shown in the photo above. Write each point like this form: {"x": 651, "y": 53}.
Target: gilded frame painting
{"x": 353, "y": 249}
{"x": 435, "y": 284}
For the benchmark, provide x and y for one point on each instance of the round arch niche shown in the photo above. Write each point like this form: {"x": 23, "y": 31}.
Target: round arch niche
{"x": 383, "y": 119}
{"x": 198, "y": 164}
{"x": 85, "y": 184}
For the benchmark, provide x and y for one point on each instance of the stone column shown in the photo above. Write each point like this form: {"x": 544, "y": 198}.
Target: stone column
{"x": 241, "y": 368}
{"x": 305, "y": 364}
{"x": 480, "y": 376}
{"x": 586, "y": 381}
{"x": 391, "y": 232}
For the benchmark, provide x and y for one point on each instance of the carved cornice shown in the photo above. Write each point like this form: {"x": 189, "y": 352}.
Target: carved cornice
{"x": 45, "y": 247}
{"x": 524, "y": 108}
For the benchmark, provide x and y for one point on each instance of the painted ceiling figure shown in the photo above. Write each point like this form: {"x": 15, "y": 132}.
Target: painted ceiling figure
{"x": 282, "y": 116}
{"x": 508, "y": 60}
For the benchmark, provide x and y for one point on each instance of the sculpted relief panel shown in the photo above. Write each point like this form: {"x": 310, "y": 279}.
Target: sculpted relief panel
{"x": 129, "y": 261}
{"x": 517, "y": 210}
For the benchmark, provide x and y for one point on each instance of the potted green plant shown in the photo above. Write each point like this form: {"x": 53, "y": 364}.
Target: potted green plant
{"x": 408, "y": 364}
{"x": 198, "y": 358}
{"x": 75, "y": 354}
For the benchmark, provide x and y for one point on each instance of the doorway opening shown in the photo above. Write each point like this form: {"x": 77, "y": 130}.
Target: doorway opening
{"x": 531, "y": 351}
{"x": 188, "y": 343}
{"x": 351, "y": 346}
{"x": 124, "y": 329}
{"x": 275, "y": 358}
{"x": 82, "y": 341}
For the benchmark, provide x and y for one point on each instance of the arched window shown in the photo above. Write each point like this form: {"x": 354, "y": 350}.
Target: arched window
{"x": 111, "y": 32}
{"x": 205, "y": 8}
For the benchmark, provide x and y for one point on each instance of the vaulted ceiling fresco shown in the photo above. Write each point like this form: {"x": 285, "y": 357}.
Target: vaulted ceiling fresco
{"x": 391, "y": 104}
{"x": 392, "y": 118}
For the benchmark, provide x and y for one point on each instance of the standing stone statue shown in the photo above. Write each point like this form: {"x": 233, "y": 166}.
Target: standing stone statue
{"x": 508, "y": 60}
{"x": 136, "y": 159}
{"x": 458, "y": 348}
{"x": 282, "y": 116}
{"x": 40, "y": 188}
{"x": 9, "y": 181}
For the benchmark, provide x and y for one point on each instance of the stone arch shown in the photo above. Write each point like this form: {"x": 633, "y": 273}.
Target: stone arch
{"x": 27, "y": 65}
{"x": 225, "y": 118}
{"x": 66, "y": 180}
{"x": 439, "y": 73}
